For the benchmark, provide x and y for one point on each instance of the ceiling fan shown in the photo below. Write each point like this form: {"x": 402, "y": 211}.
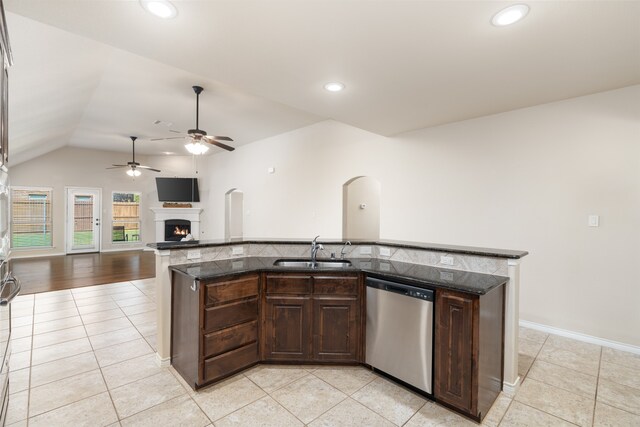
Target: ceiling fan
{"x": 133, "y": 165}
{"x": 198, "y": 136}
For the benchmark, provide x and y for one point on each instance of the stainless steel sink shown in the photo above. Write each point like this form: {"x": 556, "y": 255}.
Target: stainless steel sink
{"x": 298, "y": 263}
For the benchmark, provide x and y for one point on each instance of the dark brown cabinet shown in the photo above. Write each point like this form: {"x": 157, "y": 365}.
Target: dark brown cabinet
{"x": 222, "y": 326}
{"x": 335, "y": 329}
{"x": 287, "y": 330}
{"x": 312, "y": 318}
{"x": 214, "y": 326}
{"x": 468, "y": 350}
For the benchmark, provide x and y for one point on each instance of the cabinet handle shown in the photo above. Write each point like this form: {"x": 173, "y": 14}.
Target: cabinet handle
{"x": 15, "y": 290}
{"x": 195, "y": 286}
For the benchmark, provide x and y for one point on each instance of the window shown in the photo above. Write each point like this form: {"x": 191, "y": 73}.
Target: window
{"x": 126, "y": 217}
{"x": 31, "y": 217}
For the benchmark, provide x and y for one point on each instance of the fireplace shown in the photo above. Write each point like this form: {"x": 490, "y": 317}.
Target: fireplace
{"x": 172, "y": 214}
{"x": 176, "y": 229}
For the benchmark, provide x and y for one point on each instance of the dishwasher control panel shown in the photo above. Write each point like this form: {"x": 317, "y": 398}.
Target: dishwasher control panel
{"x": 424, "y": 294}
{"x": 400, "y": 288}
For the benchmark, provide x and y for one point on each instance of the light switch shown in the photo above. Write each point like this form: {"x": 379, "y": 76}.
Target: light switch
{"x": 194, "y": 254}
{"x": 237, "y": 250}
{"x": 385, "y": 251}
{"x": 271, "y": 170}
{"x": 594, "y": 221}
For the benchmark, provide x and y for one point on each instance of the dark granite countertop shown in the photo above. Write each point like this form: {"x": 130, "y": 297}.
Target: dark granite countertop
{"x": 419, "y": 275}
{"x": 467, "y": 250}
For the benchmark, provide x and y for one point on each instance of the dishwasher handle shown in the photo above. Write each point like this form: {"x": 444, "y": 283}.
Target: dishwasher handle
{"x": 396, "y": 289}
{"x": 400, "y": 288}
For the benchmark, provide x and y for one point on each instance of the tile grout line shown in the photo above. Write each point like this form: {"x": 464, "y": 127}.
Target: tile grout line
{"x": 531, "y": 379}
{"x": 33, "y": 325}
{"x": 191, "y": 397}
{"x": 595, "y": 399}
{"x": 505, "y": 411}
{"x": 284, "y": 407}
{"x": 99, "y": 367}
{"x": 280, "y": 388}
{"x": 346, "y": 396}
{"x": 122, "y": 385}
{"x": 547, "y": 413}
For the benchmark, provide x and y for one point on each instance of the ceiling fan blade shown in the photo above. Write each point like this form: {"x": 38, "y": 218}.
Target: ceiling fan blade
{"x": 222, "y": 138}
{"x": 118, "y": 166}
{"x": 175, "y": 131}
{"x": 163, "y": 139}
{"x": 149, "y": 168}
{"x": 218, "y": 144}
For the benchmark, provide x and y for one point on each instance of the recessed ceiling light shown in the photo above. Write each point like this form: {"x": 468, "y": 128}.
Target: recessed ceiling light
{"x": 510, "y": 15}
{"x": 334, "y": 86}
{"x": 160, "y": 8}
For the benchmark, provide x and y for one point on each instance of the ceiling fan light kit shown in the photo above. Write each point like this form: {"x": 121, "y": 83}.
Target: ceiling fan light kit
{"x": 196, "y": 148}
{"x": 133, "y": 166}
{"x": 197, "y": 137}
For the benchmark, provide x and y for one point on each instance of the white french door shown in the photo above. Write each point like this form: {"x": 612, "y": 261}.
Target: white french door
{"x": 83, "y": 220}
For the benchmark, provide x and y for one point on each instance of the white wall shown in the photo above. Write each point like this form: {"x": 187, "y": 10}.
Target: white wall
{"x": 525, "y": 179}
{"x": 79, "y": 167}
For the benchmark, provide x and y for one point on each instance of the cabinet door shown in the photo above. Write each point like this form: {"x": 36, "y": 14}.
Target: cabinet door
{"x": 335, "y": 329}
{"x": 454, "y": 338}
{"x": 287, "y": 328}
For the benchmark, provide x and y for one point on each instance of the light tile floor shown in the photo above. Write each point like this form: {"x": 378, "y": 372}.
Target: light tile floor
{"x": 85, "y": 357}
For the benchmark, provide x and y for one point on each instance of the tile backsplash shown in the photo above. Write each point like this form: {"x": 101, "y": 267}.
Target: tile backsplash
{"x": 474, "y": 263}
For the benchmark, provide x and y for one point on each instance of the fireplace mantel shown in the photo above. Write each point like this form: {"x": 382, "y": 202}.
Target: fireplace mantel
{"x": 190, "y": 214}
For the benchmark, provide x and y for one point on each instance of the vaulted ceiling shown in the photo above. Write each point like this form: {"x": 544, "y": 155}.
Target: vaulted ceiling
{"x": 90, "y": 72}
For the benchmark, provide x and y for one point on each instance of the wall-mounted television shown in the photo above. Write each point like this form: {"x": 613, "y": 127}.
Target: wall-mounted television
{"x": 178, "y": 189}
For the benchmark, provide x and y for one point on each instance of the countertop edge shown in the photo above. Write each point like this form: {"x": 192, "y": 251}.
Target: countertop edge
{"x": 180, "y": 268}
{"x": 465, "y": 250}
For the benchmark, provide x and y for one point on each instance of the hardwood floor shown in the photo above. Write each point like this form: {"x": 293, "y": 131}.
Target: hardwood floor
{"x": 75, "y": 271}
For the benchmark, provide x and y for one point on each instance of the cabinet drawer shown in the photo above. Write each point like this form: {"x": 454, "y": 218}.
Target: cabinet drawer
{"x": 288, "y": 284}
{"x": 216, "y": 293}
{"x": 227, "y": 339}
{"x": 335, "y": 285}
{"x": 223, "y": 316}
{"x": 231, "y": 362}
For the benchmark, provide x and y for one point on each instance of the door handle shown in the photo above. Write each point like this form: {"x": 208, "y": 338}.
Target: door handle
{"x": 15, "y": 290}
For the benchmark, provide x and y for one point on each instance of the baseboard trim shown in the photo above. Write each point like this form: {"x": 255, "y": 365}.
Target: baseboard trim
{"x": 580, "y": 337}
{"x": 137, "y": 248}
{"x": 163, "y": 363}
{"x": 511, "y": 389}
{"x": 16, "y": 255}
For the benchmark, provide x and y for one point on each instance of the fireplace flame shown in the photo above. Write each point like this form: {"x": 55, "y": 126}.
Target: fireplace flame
{"x": 178, "y": 231}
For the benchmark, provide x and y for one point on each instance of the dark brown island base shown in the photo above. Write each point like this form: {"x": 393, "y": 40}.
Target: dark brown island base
{"x": 225, "y": 322}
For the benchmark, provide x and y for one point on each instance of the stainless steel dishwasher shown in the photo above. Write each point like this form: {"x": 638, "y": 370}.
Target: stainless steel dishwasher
{"x": 400, "y": 331}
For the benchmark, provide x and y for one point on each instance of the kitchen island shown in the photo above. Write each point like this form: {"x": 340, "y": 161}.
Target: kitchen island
{"x": 469, "y": 273}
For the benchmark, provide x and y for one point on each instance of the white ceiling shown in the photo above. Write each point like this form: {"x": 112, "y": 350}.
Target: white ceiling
{"x": 102, "y": 69}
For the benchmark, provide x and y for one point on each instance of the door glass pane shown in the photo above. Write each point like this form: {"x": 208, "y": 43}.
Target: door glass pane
{"x": 83, "y": 220}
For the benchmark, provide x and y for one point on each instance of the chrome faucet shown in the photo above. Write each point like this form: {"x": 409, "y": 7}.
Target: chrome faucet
{"x": 315, "y": 246}
{"x": 344, "y": 249}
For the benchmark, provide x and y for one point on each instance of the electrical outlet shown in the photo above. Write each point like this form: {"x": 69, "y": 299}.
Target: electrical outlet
{"x": 237, "y": 250}
{"x": 195, "y": 254}
{"x": 365, "y": 250}
{"x": 385, "y": 252}
{"x": 446, "y": 260}
{"x": 446, "y": 276}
